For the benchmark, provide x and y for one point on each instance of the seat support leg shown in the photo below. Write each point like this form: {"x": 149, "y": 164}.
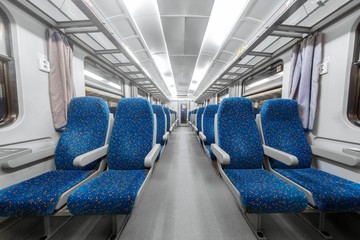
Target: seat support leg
{"x": 320, "y": 229}
{"x": 257, "y": 228}
{"x": 118, "y": 226}
{"x": 47, "y": 228}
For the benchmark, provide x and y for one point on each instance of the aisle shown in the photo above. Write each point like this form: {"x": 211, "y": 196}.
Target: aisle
{"x": 185, "y": 199}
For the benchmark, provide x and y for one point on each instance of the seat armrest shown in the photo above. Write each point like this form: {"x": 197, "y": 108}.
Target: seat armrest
{"x": 171, "y": 128}
{"x": 166, "y": 136}
{"x": 89, "y": 157}
{"x": 281, "y": 156}
{"x": 30, "y": 157}
{"x": 202, "y": 136}
{"x": 196, "y": 129}
{"x": 152, "y": 155}
{"x": 220, "y": 154}
{"x": 346, "y": 157}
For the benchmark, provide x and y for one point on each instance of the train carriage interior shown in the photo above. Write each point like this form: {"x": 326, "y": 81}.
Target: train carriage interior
{"x": 180, "y": 119}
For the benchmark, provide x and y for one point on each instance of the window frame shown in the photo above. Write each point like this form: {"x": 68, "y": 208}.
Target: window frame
{"x": 8, "y": 78}
{"x": 353, "y": 108}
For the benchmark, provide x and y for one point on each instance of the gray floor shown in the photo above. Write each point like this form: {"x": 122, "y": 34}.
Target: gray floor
{"x": 186, "y": 199}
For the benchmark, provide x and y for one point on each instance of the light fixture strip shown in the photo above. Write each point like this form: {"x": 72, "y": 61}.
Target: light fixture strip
{"x": 224, "y": 16}
{"x": 149, "y": 10}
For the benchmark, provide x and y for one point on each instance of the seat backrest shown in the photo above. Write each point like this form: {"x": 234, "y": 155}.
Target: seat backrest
{"x": 161, "y": 123}
{"x": 208, "y": 123}
{"x": 167, "y": 113}
{"x": 238, "y": 134}
{"x": 132, "y": 135}
{"x": 88, "y": 120}
{"x": 281, "y": 127}
{"x": 198, "y": 118}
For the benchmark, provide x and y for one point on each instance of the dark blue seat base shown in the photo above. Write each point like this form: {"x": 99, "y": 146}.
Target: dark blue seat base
{"x": 262, "y": 192}
{"x": 208, "y": 149}
{"x": 331, "y": 193}
{"x": 112, "y": 192}
{"x": 39, "y": 195}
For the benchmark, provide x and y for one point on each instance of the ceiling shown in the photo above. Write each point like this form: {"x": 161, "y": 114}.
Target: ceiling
{"x": 131, "y": 45}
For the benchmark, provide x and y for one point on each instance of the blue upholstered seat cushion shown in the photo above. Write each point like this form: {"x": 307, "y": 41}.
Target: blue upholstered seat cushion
{"x": 199, "y": 114}
{"x": 161, "y": 122}
{"x": 238, "y": 134}
{"x": 211, "y": 154}
{"x": 331, "y": 193}
{"x": 208, "y": 123}
{"x": 112, "y": 192}
{"x": 282, "y": 130}
{"x": 39, "y": 195}
{"x": 88, "y": 119}
{"x": 262, "y": 192}
{"x": 132, "y": 134}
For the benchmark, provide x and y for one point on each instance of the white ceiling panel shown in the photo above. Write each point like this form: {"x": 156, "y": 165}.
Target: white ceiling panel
{"x": 185, "y": 7}
{"x": 134, "y": 44}
{"x": 123, "y": 27}
{"x": 174, "y": 31}
{"x": 225, "y": 56}
{"x": 262, "y": 10}
{"x": 194, "y": 33}
{"x": 142, "y": 56}
{"x": 255, "y": 60}
{"x": 233, "y": 45}
{"x": 110, "y": 9}
{"x": 246, "y": 29}
{"x": 246, "y": 59}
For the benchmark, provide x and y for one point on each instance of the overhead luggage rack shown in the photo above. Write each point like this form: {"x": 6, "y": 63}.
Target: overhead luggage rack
{"x": 294, "y": 20}
{"x": 88, "y": 28}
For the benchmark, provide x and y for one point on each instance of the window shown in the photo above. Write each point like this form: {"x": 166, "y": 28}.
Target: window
{"x": 353, "y": 110}
{"x": 223, "y": 94}
{"x": 8, "y": 91}
{"x": 142, "y": 93}
{"x": 100, "y": 82}
{"x": 264, "y": 85}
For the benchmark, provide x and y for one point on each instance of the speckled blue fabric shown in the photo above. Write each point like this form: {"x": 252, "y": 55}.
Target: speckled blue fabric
{"x": 161, "y": 121}
{"x": 167, "y": 113}
{"x": 262, "y": 192}
{"x": 238, "y": 134}
{"x": 39, "y": 195}
{"x": 282, "y": 130}
{"x": 199, "y": 114}
{"x": 86, "y": 130}
{"x": 331, "y": 193}
{"x": 112, "y": 192}
{"x": 88, "y": 119}
{"x": 132, "y": 134}
{"x": 208, "y": 149}
{"x": 208, "y": 123}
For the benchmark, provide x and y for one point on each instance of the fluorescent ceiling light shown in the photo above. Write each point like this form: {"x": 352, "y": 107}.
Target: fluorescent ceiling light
{"x": 224, "y": 15}
{"x": 146, "y": 17}
{"x": 101, "y": 79}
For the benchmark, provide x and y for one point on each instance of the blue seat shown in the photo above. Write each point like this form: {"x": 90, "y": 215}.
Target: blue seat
{"x": 168, "y": 122}
{"x": 240, "y": 157}
{"x": 282, "y": 130}
{"x": 131, "y": 153}
{"x": 88, "y": 120}
{"x": 199, "y": 114}
{"x": 161, "y": 126}
{"x": 208, "y": 128}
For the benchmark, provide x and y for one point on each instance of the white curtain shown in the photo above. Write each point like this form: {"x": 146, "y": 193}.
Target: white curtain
{"x": 305, "y": 67}
{"x": 61, "y": 85}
